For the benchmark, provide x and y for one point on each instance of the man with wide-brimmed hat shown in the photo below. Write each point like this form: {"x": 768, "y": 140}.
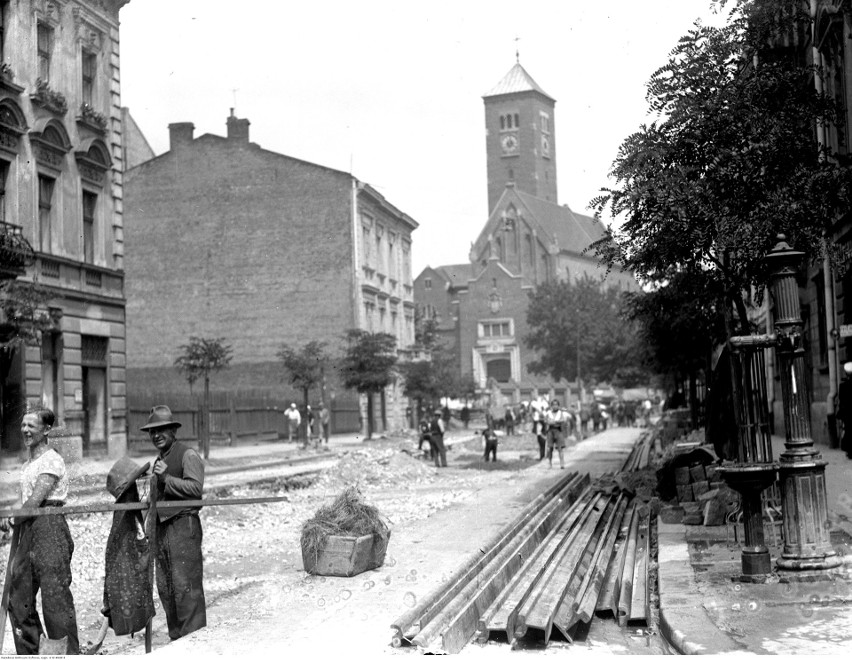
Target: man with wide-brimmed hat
{"x": 128, "y": 602}
{"x": 179, "y": 474}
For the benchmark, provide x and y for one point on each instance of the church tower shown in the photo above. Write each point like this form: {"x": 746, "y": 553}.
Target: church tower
{"x": 520, "y": 138}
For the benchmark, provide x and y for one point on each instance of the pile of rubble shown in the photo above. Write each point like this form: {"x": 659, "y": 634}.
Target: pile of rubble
{"x": 375, "y": 468}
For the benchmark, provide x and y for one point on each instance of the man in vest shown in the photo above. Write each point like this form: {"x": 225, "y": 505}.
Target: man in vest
{"x": 179, "y": 473}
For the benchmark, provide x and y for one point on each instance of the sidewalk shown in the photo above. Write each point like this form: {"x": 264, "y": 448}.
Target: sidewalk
{"x": 705, "y": 608}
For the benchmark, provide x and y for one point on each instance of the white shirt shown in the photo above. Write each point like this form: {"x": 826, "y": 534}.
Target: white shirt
{"x": 50, "y": 462}
{"x": 294, "y": 415}
{"x": 557, "y": 416}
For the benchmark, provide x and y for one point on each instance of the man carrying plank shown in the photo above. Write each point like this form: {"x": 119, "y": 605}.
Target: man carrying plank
{"x": 179, "y": 473}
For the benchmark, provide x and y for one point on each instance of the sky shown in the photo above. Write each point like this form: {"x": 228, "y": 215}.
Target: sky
{"x": 391, "y": 91}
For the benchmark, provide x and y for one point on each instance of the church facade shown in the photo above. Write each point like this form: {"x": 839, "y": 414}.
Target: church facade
{"x": 528, "y": 240}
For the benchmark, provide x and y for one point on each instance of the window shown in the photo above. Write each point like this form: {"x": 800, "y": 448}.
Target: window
{"x": 496, "y": 329}
{"x": 45, "y": 212}
{"x": 545, "y": 123}
{"x": 4, "y": 6}
{"x": 427, "y": 283}
{"x": 380, "y": 255}
{"x": 510, "y": 121}
{"x": 45, "y": 50}
{"x": 4, "y": 172}
{"x": 367, "y": 244}
{"x": 392, "y": 274}
{"x": 89, "y": 65}
{"x": 90, "y": 203}
{"x": 51, "y": 351}
{"x": 406, "y": 263}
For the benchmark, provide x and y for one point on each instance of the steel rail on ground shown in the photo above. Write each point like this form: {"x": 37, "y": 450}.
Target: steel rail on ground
{"x": 409, "y": 625}
{"x": 584, "y": 555}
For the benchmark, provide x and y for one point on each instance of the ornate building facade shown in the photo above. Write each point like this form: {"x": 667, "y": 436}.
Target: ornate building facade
{"x": 61, "y": 190}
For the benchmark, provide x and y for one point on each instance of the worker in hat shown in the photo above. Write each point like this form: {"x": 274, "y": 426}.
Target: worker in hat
{"x": 294, "y": 418}
{"x": 844, "y": 412}
{"x": 42, "y": 561}
{"x": 179, "y": 473}
{"x": 128, "y": 602}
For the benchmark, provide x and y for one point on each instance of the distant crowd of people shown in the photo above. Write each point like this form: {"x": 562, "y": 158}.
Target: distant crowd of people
{"x": 551, "y": 423}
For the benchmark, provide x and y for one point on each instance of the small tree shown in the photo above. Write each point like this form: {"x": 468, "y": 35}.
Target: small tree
{"x": 305, "y": 365}
{"x": 368, "y": 365}
{"x": 579, "y": 332}
{"x": 201, "y": 357}
{"x": 23, "y": 313}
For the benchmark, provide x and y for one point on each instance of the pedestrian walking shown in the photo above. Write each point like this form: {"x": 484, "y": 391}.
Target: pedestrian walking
{"x": 596, "y": 416}
{"x": 325, "y": 421}
{"x": 490, "y": 439}
{"x": 541, "y": 437}
{"x": 509, "y": 421}
{"x": 436, "y": 430}
{"x": 294, "y": 418}
{"x": 557, "y": 423}
{"x": 179, "y": 473}
{"x": 844, "y": 412}
{"x": 309, "y": 425}
{"x": 465, "y": 416}
{"x": 128, "y": 602}
{"x": 425, "y": 435}
{"x": 42, "y": 561}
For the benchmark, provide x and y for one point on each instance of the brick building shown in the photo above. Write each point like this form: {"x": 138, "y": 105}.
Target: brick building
{"x": 61, "y": 191}
{"x": 527, "y": 240}
{"x": 235, "y": 241}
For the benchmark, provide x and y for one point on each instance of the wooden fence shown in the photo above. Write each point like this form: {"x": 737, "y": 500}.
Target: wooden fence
{"x": 236, "y": 417}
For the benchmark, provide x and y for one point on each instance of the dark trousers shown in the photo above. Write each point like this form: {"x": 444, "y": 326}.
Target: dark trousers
{"x": 439, "y": 452}
{"x": 43, "y": 561}
{"x": 542, "y": 442}
{"x": 180, "y": 574}
{"x": 846, "y": 440}
{"x": 490, "y": 448}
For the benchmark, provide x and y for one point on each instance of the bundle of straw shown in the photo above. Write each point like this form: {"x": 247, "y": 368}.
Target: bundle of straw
{"x": 348, "y": 515}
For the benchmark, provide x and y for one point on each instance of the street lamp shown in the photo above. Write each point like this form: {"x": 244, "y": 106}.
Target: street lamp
{"x": 802, "y": 469}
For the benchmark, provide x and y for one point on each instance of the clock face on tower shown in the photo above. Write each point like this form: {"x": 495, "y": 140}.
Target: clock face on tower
{"x": 509, "y": 143}
{"x": 545, "y": 146}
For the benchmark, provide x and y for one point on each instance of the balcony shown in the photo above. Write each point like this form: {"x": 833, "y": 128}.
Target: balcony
{"x": 16, "y": 254}
{"x": 49, "y": 99}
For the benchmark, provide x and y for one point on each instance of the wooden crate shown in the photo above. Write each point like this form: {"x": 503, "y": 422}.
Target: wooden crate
{"x": 345, "y": 556}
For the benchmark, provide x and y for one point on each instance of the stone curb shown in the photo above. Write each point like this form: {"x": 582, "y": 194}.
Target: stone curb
{"x": 684, "y": 623}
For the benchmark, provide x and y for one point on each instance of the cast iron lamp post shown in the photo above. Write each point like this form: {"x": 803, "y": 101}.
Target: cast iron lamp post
{"x": 802, "y": 470}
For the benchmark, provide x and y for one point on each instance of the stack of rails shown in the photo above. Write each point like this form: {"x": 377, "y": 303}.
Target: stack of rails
{"x": 575, "y": 551}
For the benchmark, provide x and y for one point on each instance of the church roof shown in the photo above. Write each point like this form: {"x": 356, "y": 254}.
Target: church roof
{"x": 517, "y": 80}
{"x": 457, "y": 274}
{"x": 573, "y": 232}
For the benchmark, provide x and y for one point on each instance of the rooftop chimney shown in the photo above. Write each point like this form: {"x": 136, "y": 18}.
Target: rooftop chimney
{"x": 238, "y": 129}
{"x": 180, "y": 134}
